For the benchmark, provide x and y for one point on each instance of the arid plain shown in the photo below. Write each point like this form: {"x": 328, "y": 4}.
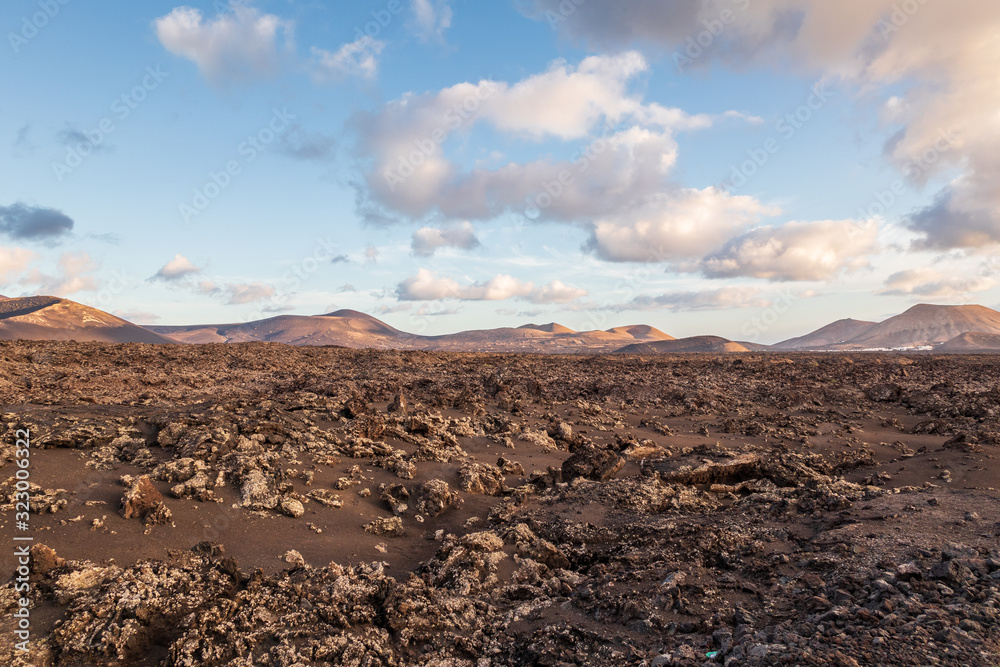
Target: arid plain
{"x": 320, "y": 505}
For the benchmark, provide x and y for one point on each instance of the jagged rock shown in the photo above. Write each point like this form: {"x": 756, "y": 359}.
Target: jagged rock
{"x": 389, "y": 526}
{"x": 508, "y": 467}
{"x": 396, "y": 496}
{"x": 326, "y": 498}
{"x": 140, "y": 499}
{"x": 435, "y": 497}
{"x": 589, "y": 462}
{"x": 292, "y": 507}
{"x": 256, "y": 492}
{"x": 398, "y": 404}
{"x": 44, "y": 559}
{"x": 481, "y": 478}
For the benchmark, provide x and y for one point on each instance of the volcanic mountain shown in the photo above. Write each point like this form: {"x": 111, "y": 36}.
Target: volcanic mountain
{"x": 926, "y": 324}
{"x": 52, "y": 318}
{"x": 350, "y": 328}
{"x": 972, "y": 341}
{"x": 685, "y": 345}
{"x": 835, "y": 333}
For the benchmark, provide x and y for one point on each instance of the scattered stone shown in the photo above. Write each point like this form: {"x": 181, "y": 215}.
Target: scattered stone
{"x": 589, "y": 462}
{"x": 292, "y": 507}
{"x": 481, "y": 478}
{"x": 389, "y": 526}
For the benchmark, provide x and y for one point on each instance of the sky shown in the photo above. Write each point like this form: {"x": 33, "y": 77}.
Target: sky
{"x": 747, "y": 168}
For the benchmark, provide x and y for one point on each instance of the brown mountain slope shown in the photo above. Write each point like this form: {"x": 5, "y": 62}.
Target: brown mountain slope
{"x": 927, "y": 324}
{"x": 351, "y": 328}
{"x": 693, "y": 344}
{"x": 551, "y": 327}
{"x": 344, "y": 327}
{"x": 52, "y": 318}
{"x": 641, "y": 332}
{"x": 972, "y": 341}
{"x": 834, "y": 333}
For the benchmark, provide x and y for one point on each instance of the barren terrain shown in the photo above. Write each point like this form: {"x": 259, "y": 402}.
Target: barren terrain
{"x": 263, "y": 504}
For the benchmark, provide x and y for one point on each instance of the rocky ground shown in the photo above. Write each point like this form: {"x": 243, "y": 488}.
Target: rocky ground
{"x": 257, "y": 504}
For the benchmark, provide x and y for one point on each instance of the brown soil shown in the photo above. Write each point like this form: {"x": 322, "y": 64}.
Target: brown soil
{"x": 761, "y": 509}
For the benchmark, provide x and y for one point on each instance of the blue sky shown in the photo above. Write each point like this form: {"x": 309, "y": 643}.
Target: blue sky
{"x": 219, "y": 162}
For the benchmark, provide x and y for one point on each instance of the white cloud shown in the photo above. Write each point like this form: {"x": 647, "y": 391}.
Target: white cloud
{"x": 75, "y": 274}
{"x": 240, "y": 293}
{"x": 723, "y": 298}
{"x": 432, "y": 18}
{"x": 238, "y": 45}
{"x": 14, "y": 261}
{"x": 680, "y": 225}
{"x": 177, "y": 268}
{"x": 795, "y": 251}
{"x": 944, "y": 55}
{"x": 556, "y": 292}
{"x": 931, "y": 283}
{"x": 429, "y": 286}
{"x": 427, "y": 240}
{"x": 406, "y": 172}
{"x": 358, "y": 58}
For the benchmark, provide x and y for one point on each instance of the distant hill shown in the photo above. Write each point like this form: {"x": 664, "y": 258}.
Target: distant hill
{"x": 927, "y": 324}
{"x": 685, "y": 345}
{"x": 351, "y": 328}
{"x": 551, "y": 327}
{"x": 348, "y": 328}
{"x": 944, "y": 328}
{"x": 835, "y": 333}
{"x": 642, "y": 332}
{"x": 972, "y": 341}
{"x": 52, "y": 318}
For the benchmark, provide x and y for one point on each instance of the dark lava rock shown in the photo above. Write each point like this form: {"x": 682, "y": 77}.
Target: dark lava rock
{"x": 435, "y": 497}
{"x": 590, "y": 462}
{"x": 143, "y": 501}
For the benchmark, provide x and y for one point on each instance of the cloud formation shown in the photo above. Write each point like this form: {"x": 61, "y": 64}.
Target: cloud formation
{"x": 946, "y": 54}
{"x": 239, "y": 45}
{"x": 177, "y": 268}
{"x": 75, "y": 274}
{"x": 674, "y": 226}
{"x": 429, "y": 286}
{"x": 629, "y": 154}
{"x": 431, "y": 18}
{"x": 931, "y": 283}
{"x": 235, "y": 294}
{"x": 358, "y": 58}
{"x": 717, "y": 299}
{"x": 34, "y": 223}
{"x": 427, "y": 240}
{"x": 795, "y": 251}
{"x": 13, "y": 261}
